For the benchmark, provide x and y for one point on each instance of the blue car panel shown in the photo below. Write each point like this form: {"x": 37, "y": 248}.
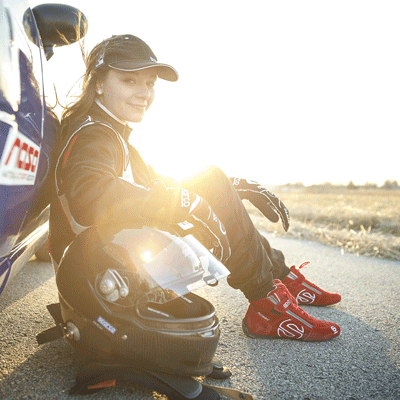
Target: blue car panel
{"x": 28, "y": 126}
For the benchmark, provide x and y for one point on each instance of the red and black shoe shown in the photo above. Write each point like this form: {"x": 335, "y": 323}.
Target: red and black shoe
{"x": 307, "y": 292}
{"x": 279, "y": 316}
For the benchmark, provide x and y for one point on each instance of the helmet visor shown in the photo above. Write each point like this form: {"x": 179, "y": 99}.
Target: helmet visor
{"x": 155, "y": 265}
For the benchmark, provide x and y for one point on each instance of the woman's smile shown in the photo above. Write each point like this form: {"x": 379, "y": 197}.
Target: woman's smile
{"x": 138, "y": 106}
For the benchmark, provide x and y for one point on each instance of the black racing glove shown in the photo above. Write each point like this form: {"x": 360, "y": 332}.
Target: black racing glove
{"x": 180, "y": 205}
{"x": 263, "y": 199}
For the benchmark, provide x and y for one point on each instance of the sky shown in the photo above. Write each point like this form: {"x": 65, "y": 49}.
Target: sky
{"x": 274, "y": 91}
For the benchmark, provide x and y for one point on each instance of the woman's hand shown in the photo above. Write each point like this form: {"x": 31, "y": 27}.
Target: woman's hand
{"x": 263, "y": 199}
{"x": 180, "y": 204}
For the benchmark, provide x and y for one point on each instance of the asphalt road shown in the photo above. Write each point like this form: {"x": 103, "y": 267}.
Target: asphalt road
{"x": 362, "y": 363}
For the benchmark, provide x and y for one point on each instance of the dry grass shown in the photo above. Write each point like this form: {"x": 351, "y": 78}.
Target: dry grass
{"x": 365, "y": 222}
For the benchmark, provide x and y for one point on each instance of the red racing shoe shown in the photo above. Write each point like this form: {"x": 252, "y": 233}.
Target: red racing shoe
{"x": 307, "y": 292}
{"x": 279, "y": 316}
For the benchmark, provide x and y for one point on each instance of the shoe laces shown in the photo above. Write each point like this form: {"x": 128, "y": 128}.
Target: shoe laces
{"x": 281, "y": 294}
{"x": 285, "y": 295}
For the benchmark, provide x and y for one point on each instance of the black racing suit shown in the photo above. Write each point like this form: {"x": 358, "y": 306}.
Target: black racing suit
{"x": 100, "y": 178}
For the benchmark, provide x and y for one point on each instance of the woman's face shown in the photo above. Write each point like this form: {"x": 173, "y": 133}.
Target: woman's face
{"x": 128, "y": 95}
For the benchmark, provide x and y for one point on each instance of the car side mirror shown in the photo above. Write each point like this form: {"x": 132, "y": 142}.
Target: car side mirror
{"x": 59, "y": 25}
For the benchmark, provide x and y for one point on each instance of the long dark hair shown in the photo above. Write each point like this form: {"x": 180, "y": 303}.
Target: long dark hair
{"x": 85, "y": 100}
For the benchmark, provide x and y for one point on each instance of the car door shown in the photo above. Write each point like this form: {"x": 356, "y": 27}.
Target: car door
{"x": 25, "y": 159}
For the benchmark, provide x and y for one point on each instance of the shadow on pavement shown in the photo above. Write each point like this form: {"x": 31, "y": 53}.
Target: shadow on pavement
{"x": 355, "y": 365}
{"x": 31, "y": 276}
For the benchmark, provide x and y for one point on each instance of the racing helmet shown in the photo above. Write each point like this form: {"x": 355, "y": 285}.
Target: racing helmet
{"x": 126, "y": 298}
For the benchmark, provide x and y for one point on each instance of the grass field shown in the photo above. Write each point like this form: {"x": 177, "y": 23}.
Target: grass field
{"x": 361, "y": 221}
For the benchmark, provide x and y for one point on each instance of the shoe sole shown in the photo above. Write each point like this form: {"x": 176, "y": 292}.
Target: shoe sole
{"x": 317, "y": 305}
{"x": 252, "y": 335}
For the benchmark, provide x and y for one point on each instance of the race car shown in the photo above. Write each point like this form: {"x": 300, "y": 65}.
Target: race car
{"x": 28, "y": 124}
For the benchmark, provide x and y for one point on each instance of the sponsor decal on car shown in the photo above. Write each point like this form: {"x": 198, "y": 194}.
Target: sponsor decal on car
{"x": 19, "y": 159}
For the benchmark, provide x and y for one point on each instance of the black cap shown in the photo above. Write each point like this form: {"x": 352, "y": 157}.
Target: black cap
{"x": 129, "y": 53}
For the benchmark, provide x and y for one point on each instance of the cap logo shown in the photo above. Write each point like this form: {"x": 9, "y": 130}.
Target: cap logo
{"x": 100, "y": 61}
{"x": 153, "y": 59}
